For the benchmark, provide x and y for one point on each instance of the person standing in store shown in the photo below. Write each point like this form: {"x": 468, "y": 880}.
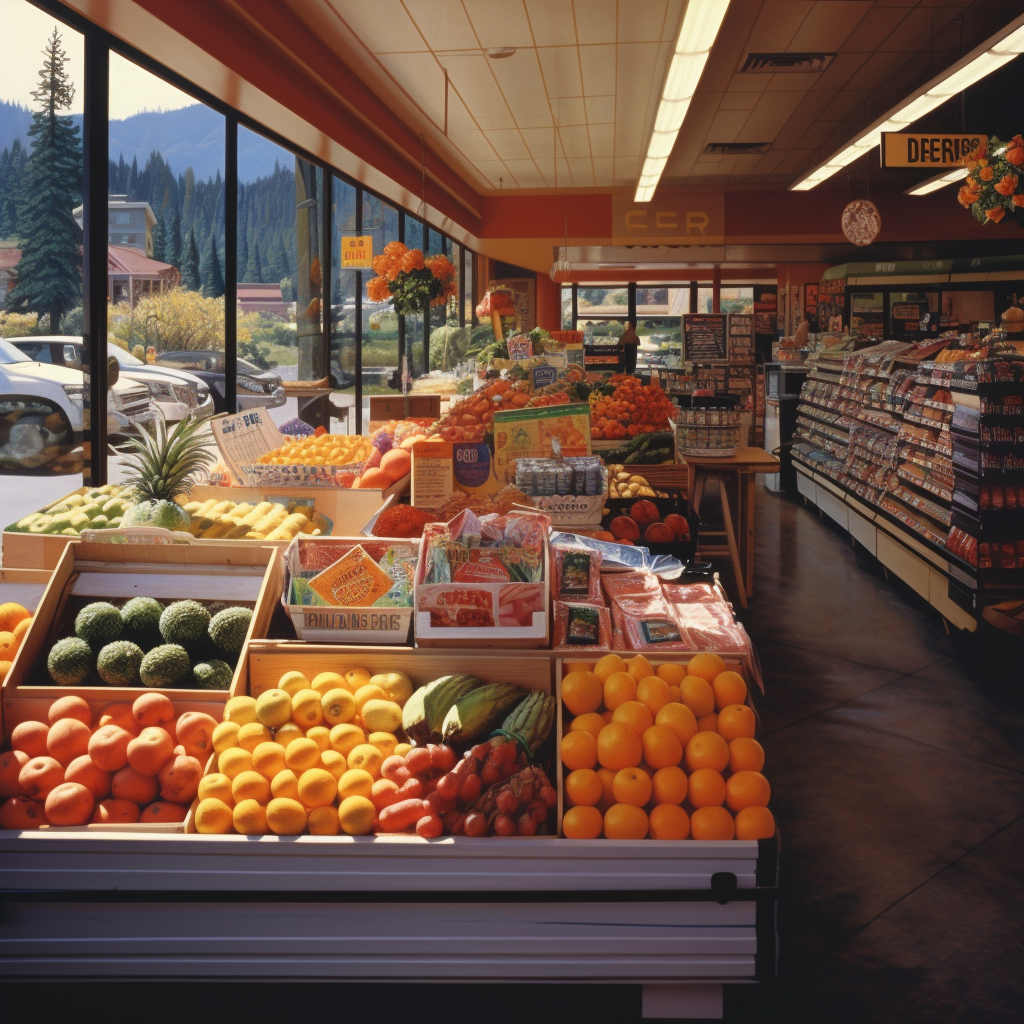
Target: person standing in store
{"x": 630, "y": 341}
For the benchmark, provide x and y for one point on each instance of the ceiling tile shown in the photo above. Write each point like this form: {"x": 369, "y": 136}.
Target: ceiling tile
{"x": 509, "y": 144}
{"x": 472, "y": 144}
{"x": 575, "y": 141}
{"x": 499, "y": 22}
{"x": 365, "y": 20}
{"x": 727, "y": 126}
{"x": 639, "y": 23}
{"x": 777, "y": 24}
{"x": 875, "y": 27}
{"x": 582, "y": 172}
{"x": 602, "y": 140}
{"x": 595, "y": 21}
{"x": 523, "y": 89}
{"x": 419, "y": 75}
{"x": 569, "y": 111}
{"x": 604, "y": 170}
{"x": 748, "y": 83}
{"x": 600, "y": 109}
{"x": 561, "y": 67}
{"x": 598, "y": 65}
{"x": 738, "y": 100}
{"x": 552, "y": 22}
{"x": 442, "y": 23}
{"x": 768, "y": 117}
{"x": 471, "y": 77}
{"x": 526, "y": 173}
{"x": 541, "y": 142}
{"x": 828, "y": 25}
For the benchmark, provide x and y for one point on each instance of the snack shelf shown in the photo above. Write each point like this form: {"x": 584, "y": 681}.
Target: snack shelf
{"x": 872, "y": 421}
{"x": 919, "y": 504}
{"x": 924, "y": 421}
{"x": 817, "y": 413}
{"x": 939, "y": 492}
{"x": 898, "y": 512}
{"x": 920, "y": 442}
{"x": 937, "y": 463}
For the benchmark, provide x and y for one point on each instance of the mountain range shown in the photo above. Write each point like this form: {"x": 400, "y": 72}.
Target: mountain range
{"x": 188, "y": 137}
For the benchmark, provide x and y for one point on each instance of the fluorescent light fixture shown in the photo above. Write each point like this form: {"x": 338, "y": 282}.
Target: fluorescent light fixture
{"x": 697, "y": 35}
{"x": 981, "y": 61}
{"x": 939, "y": 181}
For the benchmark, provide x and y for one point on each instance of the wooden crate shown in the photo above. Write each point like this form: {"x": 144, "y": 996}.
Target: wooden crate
{"x": 23, "y": 586}
{"x": 246, "y": 574}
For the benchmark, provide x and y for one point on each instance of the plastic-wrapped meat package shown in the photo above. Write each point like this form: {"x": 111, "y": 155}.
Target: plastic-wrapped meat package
{"x": 700, "y": 610}
{"x": 624, "y": 583}
{"x": 576, "y": 575}
{"x": 581, "y": 626}
{"x": 647, "y": 623}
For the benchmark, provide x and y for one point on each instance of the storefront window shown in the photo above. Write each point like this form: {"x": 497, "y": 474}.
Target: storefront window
{"x": 566, "y": 307}
{"x": 344, "y": 299}
{"x": 438, "y": 244}
{"x": 380, "y": 323}
{"x": 44, "y": 404}
{"x": 736, "y": 300}
{"x": 414, "y": 324}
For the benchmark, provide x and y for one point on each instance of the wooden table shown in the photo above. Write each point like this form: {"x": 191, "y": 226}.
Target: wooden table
{"x": 734, "y": 476}
{"x": 323, "y": 408}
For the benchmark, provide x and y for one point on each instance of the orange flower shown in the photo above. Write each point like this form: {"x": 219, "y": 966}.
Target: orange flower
{"x": 1015, "y": 151}
{"x": 1007, "y": 186}
{"x": 995, "y": 215}
{"x": 967, "y": 196}
{"x": 986, "y": 173}
{"x": 1018, "y": 200}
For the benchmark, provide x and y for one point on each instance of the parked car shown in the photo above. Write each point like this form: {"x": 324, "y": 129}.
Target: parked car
{"x": 255, "y": 388}
{"x": 176, "y": 393}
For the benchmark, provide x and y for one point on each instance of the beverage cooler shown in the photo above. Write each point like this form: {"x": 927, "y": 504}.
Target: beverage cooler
{"x": 782, "y": 384}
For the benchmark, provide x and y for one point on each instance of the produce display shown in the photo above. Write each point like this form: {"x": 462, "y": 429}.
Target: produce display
{"x": 128, "y": 763}
{"x": 241, "y": 520}
{"x": 183, "y": 645}
{"x": 92, "y": 508}
{"x": 661, "y": 753}
{"x": 373, "y": 574}
{"x": 624, "y": 484}
{"x": 631, "y": 409}
{"x": 357, "y": 753}
{"x": 320, "y": 450}
{"x": 645, "y": 449}
{"x": 14, "y": 622}
{"x": 644, "y": 520}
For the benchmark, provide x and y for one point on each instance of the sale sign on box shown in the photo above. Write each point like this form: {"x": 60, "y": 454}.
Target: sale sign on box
{"x": 528, "y": 433}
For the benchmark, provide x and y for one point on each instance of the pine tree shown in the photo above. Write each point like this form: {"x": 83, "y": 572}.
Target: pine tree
{"x": 172, "y": 243}
{"x": 242, "y": 261}
{"x": 213, "y": 278}
{"x": 254, "y": 266}
{"x": 190, "y": 278}
{"x": 133, "y": 181}
{"x": 50, "y": 270}
{"x": 158, "y": 241}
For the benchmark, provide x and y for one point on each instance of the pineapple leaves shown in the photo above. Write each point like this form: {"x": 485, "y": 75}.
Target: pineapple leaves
{"x": 162, "y": 465}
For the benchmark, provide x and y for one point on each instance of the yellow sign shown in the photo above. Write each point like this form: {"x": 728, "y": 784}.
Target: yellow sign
{"x": 684, "y": 219}
{"x": 356, "y": 251}
{"x": 920, "y": 149}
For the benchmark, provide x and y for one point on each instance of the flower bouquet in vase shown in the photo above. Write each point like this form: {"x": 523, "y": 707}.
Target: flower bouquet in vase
{"x": 994, "y": 186}
{"x": 412, "y": 281}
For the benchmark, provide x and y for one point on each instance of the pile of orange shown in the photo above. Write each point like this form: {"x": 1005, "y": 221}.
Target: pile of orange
{"x": 666, "y": 753}
{"x": 14, "y": 622}
{"x": 631, "y": 409}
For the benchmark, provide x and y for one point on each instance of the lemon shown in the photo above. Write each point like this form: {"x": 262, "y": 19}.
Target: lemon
{"x": 368, "y": 692}
{"x": 225, "y": 736}
{"x": 268, "y": 759}
{"x": 356, "y": 815}
{"x": 367, "y": 757}
{"x": 288, "y": 733}
{"x": 397, "y": 685}
{"x": 332, "y": 761}
{"x": 286, "y": 817}
{"x": 381, "y": 715}
{"x": 250, "y": 785}
{"x": 234, "y": 761}
{"x": 355, "y": 782}
{"x": 274, "y": 708}
{"x": 355, "y": 678}
{"x": 317, "y": 787}
{"x": 213, "y": 817}
{"x": 327, "y": 681}
{"x": 385, "y": 742}
{"x": 401, "y": 749}
{"x": 250, "y": 818}
{"x": 292, "y": 682}
{"x": 323, "y": 821}
{"x": 306, "y": 710}
{"x": 251, "y": 735}
{"x": 346, "y": 737}
{"x": 285, "y": 784}
{"x": 338, "y": 706}
{"x": 301, "y": 755}
{"x": 216, "y": 787}
{"x": 240, "y": 710}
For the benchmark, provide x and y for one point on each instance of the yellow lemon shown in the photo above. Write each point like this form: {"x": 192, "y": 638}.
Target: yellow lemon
{"x": 381, "y": 715}
{"x": 367, "y": 757}
{"x": 274, "y": 708}
{"x": 344, "y": 738}
{"x": 323, "y": 821}
{"x": 317, "y": 787}
{"x": 240, "y": 710}
{"x": 321, "y": 736}
{"x": 338, "y": 706}
{"x": 401, "y": 749}
{"x": 287, "y": 733}
{"x": 268, "y": 759}
{"x": 608, "y": 666}
{"x": 225, "y": 736}
{"x": 250, "y": 818}
{"x": 286, "y": 817}
{"x": 234, "y": 761}
{"x": 327, "y": 681}
{"x": 371, "y": 691}
{"x": 292, "y": 682}
{"x": 356, "y": 815}
{"x": 215, "y": 787}
{"x": 385, "y": 742}
{"x": 250, "y": 786}
{"x": 251, "y": 735}
{"x": 332, "y": 761}
{"x": 355, "y": 678}
{"x": 285, "y": 784}
{"x": 301, "y": 754}
{"x": 306, "y": 710}
{"x": 355, "y": 782}
{"x": 213, "y": 817}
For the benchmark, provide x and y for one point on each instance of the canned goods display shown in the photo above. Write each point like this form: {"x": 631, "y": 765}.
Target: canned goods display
{"x": 708, "y": 432}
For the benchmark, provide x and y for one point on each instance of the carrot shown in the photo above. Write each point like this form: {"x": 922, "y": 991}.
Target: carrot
{"x": 398, "y": 817}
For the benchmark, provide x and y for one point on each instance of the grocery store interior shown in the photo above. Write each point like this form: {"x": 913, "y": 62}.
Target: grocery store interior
{"x": 715, "y": 307}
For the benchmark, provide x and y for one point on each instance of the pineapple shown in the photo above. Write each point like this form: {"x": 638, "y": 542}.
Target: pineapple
{"x": 162, "y": 467}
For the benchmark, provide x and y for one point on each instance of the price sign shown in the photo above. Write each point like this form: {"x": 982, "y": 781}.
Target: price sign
{"x": 704, "y": 337}
{"x": 356, "y": 251}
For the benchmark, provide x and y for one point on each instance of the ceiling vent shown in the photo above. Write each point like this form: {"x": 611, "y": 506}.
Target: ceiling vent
{"x": 785, "y": 63}
{"x": 736, "y": 148}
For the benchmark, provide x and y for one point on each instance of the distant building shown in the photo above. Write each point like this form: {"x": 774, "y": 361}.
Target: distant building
{"x": 10, "y": 254}
{"x": 262, "y": 298}
{"x": 130, "y": 275}
{"x": 128, "y": 224}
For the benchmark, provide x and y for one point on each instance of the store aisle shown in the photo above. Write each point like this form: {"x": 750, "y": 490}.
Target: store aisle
{"x": 897, "y": 772}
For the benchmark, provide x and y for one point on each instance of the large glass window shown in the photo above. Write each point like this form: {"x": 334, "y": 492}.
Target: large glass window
{"x": 44, "y": 404}
{"x": 280, "y": 197}
{"x": 380, "y": 322}
{"x": 414, "y": 324}
{"x": 344, "y": 300}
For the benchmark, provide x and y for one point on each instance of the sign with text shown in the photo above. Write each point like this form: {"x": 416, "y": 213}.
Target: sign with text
{"x": 356, "y": 252}
{"x": 704, "y": 337}
{"x": 242, "y": 438}
{"x": 919, "y": 149}
{"x": 687, "y": 219}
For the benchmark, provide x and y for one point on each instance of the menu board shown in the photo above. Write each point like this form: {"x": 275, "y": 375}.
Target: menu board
{"x": 243, "y": 437}
{"x": 704, "y": 337}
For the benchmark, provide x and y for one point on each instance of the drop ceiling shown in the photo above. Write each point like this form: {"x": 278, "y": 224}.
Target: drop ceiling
{"x": 574, "y": 105}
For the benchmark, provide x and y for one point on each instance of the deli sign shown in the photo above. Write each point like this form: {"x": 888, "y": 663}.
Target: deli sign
{"x": 921, "y": 150}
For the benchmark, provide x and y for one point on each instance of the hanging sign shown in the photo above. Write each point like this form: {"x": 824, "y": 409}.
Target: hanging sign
{"x": 917, "y": 149}
{"x": 861, "y": 222}
{"x": 356, "y": 251}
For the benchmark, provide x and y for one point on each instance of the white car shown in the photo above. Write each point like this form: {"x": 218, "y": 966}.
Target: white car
{"x": 128, "y": 404}
{"x": 176, "y": 393}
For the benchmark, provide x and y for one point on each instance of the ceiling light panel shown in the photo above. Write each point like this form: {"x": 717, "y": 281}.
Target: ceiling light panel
{"x": 934, "y": 184}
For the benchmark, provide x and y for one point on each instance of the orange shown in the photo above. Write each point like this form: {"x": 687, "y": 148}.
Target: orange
{"x": 709, "y": 723}
{"x": 591, "y": 722}
{"x": 21, "y": 629}
{"x": 250, "y": 786}
{"x": 672, "y": 672}
{"x": 607, "y": 716}
{"x": 624, "y": 821}
{"x": 607, "y": 666}
{"x": 729, "y": 688}
{"x": 578, "y": 666}
{"x": 583, "y": 787}
{"x": 11, "y": 614}
{"x": 673, "y": 692}
{"x": 707, "y": 666}
{"x": 747, "y": 789}
{"x": 581, "y": 692}
{"x": 707, "y": 788}
{"x": 697, "y": 695}
{"x": 8, "y": 645}
{"x": 712, "y": 823}
{"x": 735, "y": 721}
{"x": 582, "y": 823}
{"x": 653, "y": 693}
{"x": 317, "y": 788}
{"x": 669, "y": 785}
{"x": 268, "y": 759}
{"x": 639, "y": 668}
{"x": 679, "y": 718}
{"x": 619, "y": 747}
{"x": 669, "y": 821}
{"x": 755, "y": 823}
{"x": 356, "y": 815}
{"x": 634, "y": 714}
{"x": 707, "y": 750}
{"x": 619, "y": 687}
{"x": 745, "y": 755}
{"x": 662, "y": 747}
{"x": 285, "y": 785}
{"x": 578, "y": 750}
{"x": 631, "y": 786}
{"x": 607, "y": 777}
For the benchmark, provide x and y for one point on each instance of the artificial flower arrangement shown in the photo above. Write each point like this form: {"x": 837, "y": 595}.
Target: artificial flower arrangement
{"x": 413, "y": 281}
{"x": 995, "y": 182}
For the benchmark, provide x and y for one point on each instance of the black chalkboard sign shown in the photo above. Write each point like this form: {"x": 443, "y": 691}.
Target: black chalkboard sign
{"x": 704, "y": 337}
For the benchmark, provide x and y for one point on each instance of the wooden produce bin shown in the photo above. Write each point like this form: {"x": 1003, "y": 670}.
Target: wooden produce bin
{"x": 23, "y": 586}
{"x": 246, "y": 575}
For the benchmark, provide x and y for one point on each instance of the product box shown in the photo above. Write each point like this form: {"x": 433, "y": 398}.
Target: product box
{"x": 431, "y": 473}
{"x": 525, "y": 433}
{"x": 383, "y": 622}
{"x": 215, "y": 575}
